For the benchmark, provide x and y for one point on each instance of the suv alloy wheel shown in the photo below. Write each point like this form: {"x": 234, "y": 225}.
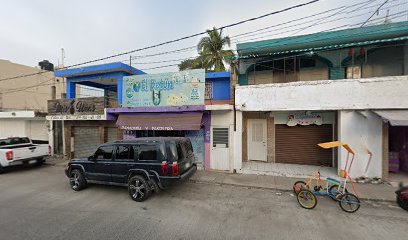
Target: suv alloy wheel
{"x": 139, "y": 189}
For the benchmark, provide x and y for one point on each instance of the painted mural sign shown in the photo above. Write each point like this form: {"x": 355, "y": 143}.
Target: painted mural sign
{"x": 197, "y": 141}
{"x": 164, "y": 89}
{"x": 306, "y": 118}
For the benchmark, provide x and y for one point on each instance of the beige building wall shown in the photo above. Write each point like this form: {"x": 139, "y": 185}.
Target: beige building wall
{"x": 26, "y": 93}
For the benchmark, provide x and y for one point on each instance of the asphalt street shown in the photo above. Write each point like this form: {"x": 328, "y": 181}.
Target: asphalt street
{"x": 37, "y": 203}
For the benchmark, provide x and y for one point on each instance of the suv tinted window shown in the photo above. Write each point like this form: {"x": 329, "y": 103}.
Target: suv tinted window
{"x": 104, "y": 152}
{"x": 125, "y": 153}
{"x": 173, "y": 151}
{"x": 187, "y": 148}
{"x": 150, "y": 152}
{"x": 180, "y": 151}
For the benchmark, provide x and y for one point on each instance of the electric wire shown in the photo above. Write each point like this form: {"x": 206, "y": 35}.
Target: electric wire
{"x": 179, "y": 39}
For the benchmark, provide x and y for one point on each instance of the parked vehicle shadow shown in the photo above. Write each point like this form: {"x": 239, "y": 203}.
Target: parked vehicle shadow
{"x": 22, "y": 168}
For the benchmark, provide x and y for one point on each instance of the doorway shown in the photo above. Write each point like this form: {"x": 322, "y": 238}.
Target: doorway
{"x": 257, "y": 139}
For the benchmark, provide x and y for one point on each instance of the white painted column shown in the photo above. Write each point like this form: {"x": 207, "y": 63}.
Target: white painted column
{"x": 405, "y": 58}
{"x": 361, "y": 130}
{"x": 238, "y": 143}
{"x": 51, "y": 136}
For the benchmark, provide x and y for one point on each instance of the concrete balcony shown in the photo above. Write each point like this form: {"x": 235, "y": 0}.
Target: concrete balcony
{"x": 348, "y": 94}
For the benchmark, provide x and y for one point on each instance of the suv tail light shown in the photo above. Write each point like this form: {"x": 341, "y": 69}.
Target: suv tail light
{"x": 49, "y": 150}
{"x": 164, "y": 168}
{"x": 174, "y": 169}
{"x": 9, "y": 155}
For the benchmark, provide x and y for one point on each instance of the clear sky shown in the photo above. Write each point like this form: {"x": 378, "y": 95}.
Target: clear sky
{"x": 34, "y": 30}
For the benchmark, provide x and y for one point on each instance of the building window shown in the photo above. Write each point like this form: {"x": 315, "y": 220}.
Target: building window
{"x": 353, "y": 72}
{"x": 208, "y": 90}
{"x": 220, "y": 137}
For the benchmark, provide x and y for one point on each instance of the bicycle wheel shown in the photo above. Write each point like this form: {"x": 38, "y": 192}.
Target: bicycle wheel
{"x": 349, "y": 202}
{"x": 299, "y": 185}
{"x": 306, "y": 199}
{"x": 334, "y": 191}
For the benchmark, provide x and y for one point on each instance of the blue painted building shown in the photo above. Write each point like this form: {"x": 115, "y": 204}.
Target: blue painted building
{"x": 84, "y": 131}
{"x": 104, "y": 76}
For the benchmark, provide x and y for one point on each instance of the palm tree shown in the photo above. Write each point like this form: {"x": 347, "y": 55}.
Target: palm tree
{"x": 211, "y": 53}
{"x": 187, "y": 64}
{"x": 212, "y": 47}
{"x": 201, "y": 61}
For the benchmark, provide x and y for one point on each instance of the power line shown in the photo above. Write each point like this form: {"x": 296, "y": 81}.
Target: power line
{"x": 298, "y": 19}
{"x": 311, "y": 36}
{"x": 324, "y": 22}
{"x": 257, "y": 62}
{"x": 397, "y": 14}
{"x": 197, "y": 34}
{"x": 374, "y": 13}
{"x": 179, "y": 39}
{"x": 236, "y": 36}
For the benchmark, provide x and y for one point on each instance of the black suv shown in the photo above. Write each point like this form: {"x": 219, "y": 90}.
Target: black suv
{"x": 143, "y": 165}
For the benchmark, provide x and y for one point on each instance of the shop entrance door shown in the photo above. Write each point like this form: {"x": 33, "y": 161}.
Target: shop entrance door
{"x": 220, "y": 159}
{"x": 257, "y": 147}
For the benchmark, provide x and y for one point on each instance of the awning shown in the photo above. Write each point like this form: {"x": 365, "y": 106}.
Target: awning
{"x": 395, "y": 117}
{"x": 160, "y": 121}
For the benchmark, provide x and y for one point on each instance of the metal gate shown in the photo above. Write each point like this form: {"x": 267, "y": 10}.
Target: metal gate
{"x": 86, "y": 140}
{"x": 298, "y": 144}
{"x": 112, "y": 134}
{"x": 220, "y": 159}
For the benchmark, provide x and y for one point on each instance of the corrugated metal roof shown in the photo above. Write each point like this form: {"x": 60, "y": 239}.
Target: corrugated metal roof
{"x": 326, "y": 40}
{"x": 336, "y": 46}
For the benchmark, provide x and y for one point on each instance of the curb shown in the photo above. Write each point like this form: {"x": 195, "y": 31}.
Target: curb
{"x": 279, "y": 189}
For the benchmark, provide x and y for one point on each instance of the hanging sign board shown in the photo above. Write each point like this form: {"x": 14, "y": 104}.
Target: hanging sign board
{"x": 164, "y": 89}
{"x": 306, "y": 118}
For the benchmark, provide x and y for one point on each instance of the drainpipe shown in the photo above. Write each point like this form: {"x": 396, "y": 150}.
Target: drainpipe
{"x": 234, "y": 82}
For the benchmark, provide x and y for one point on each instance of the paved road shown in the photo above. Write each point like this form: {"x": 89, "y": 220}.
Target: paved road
{"x": 37, "y": 203}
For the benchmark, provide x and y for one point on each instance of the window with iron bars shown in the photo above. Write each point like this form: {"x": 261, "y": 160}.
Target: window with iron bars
{"x": 208, "y": 91}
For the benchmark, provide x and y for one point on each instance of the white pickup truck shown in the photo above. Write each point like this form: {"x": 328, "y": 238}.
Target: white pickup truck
{"x": 21, "y": 150}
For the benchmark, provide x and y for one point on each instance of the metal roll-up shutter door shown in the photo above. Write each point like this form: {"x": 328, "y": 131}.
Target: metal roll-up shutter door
{"x": 112, "y": 134}
{"x": 86, "y": 140}
{"x": 298, "y": 144}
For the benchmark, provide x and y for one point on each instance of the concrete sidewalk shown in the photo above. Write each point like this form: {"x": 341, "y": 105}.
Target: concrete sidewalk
{"x": 374, "y": 192}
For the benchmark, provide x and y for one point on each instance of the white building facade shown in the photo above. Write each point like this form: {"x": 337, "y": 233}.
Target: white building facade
{"x": 348, "y": 85}
{"x": 354, "y": 107}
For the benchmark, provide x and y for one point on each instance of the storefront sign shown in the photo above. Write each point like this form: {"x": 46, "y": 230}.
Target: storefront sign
{"x": 147, "y": 128}
{"x": 76, "y": 117}
{"x": 164, "y": 89}
{"x": 77, "y": 106}
{"x": 306, "y": 118}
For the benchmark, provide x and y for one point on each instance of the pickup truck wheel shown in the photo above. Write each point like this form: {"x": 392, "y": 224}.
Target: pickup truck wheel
{"x": 139, "y": 189}
{"x": 1, "y": 169}
{"x": 77, "y": 180}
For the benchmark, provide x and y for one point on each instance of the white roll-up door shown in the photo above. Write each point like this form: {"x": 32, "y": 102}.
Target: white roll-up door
{"x": 86, "y": 140}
